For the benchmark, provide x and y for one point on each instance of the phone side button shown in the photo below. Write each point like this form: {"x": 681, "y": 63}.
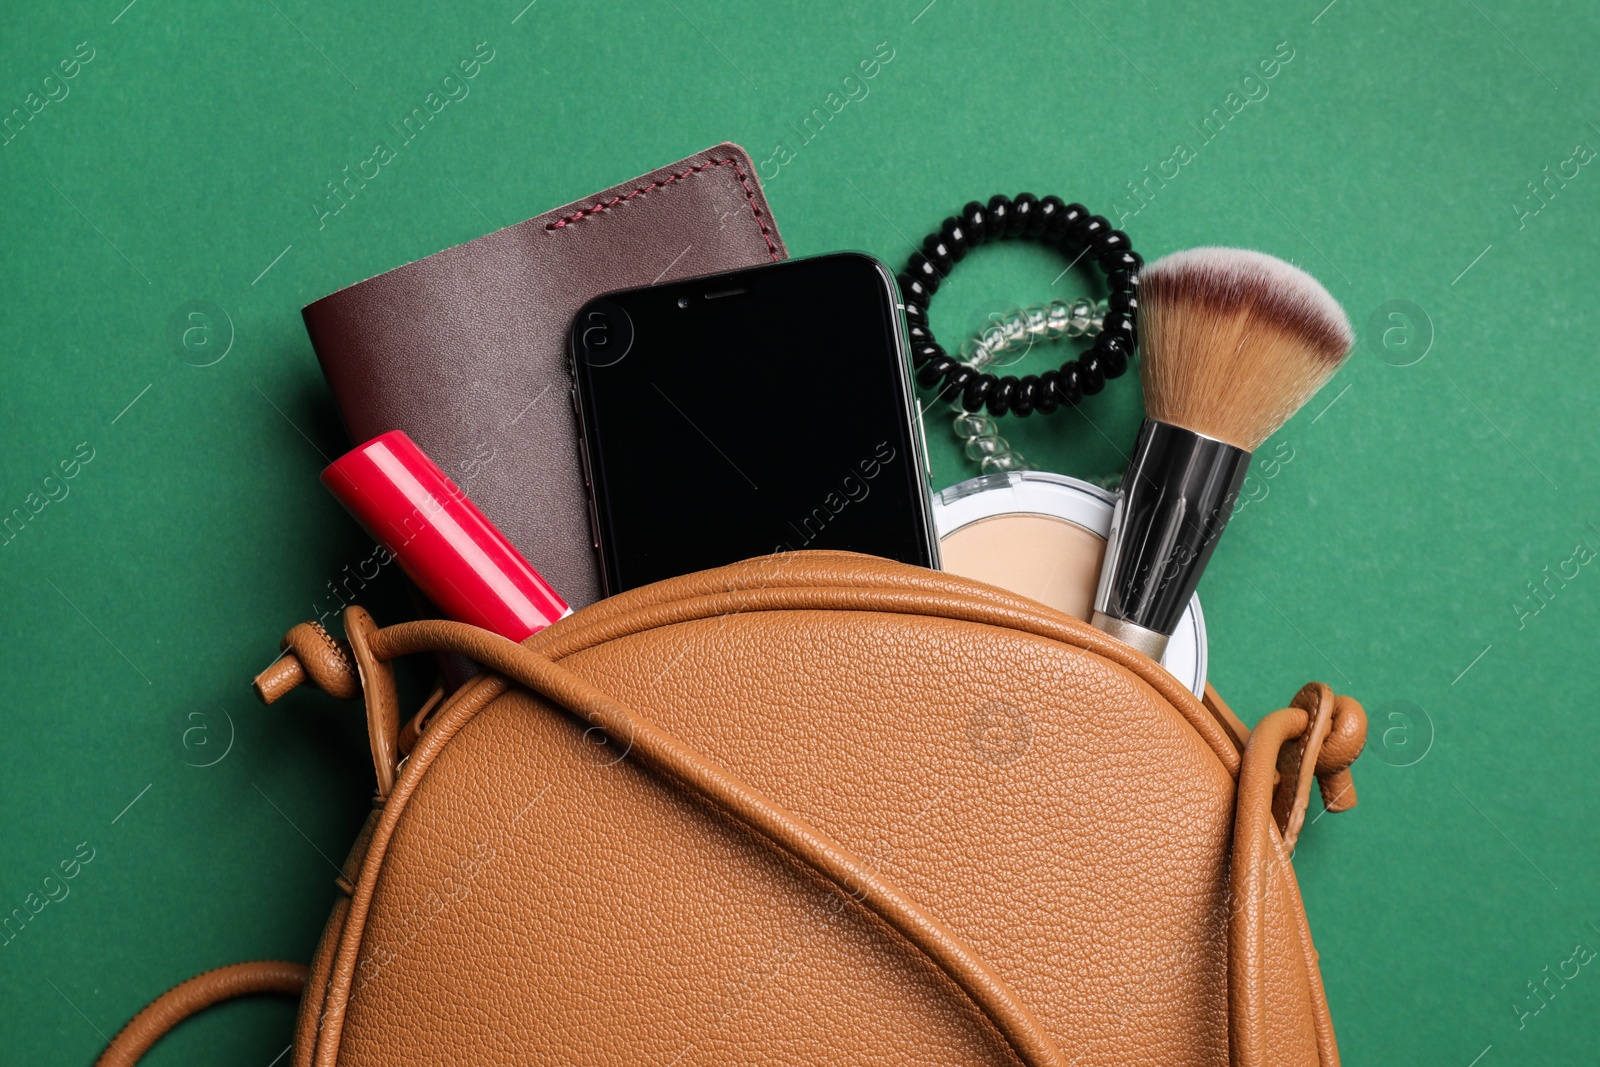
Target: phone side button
{"x": 594, "y": 524}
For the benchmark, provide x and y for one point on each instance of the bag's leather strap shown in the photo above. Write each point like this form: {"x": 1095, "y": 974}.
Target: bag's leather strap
{"x": 197, "y": 994}
{"x": 1318, "y": 736}
{"x": 664, "y": 753}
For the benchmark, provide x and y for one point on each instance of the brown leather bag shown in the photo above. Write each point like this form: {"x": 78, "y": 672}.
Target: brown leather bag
{"x": 814, "y": 808}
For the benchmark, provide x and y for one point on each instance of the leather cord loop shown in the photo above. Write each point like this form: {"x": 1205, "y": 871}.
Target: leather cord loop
{"x": 1257, "y": 873}
{"x": 195, "y": 995}
{"x": 1317, "y": 737}
{"x": 383, "y": 700}
{"x": 347, "y": 670}
{"x": 663, "y": 752}
{"x": 1322, "y": 750}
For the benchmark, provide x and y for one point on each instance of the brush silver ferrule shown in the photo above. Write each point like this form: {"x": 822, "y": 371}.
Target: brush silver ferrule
{"x": 1176, "y": 498}
{"x": 1149, "y": 642}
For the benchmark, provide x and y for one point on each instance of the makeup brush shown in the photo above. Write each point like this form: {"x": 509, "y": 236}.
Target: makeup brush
{"x": 1233, "y": 343}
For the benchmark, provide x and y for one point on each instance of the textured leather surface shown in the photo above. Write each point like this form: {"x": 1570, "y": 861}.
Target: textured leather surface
{"x": 465, "y": 350}
{"x": 535, "y": 890}
{"x": 851, "y": 874}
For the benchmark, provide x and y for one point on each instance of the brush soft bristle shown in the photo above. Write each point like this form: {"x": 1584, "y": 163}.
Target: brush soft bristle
{"x": 1235, "y": 342}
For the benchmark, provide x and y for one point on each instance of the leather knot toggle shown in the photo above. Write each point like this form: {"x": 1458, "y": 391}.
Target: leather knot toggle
{"x": 1334, "y": 735}
{"x": 310, "y": 652}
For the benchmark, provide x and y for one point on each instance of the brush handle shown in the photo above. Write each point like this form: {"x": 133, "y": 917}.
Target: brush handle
{"x": 1175, "y": 500}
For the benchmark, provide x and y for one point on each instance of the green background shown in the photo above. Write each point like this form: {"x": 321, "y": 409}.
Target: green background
{"x": 1388, "y": 557}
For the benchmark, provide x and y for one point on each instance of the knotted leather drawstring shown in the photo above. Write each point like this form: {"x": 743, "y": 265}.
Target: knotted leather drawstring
{"x": 345, "y": 669}
{"x": 309, "y": 652}
{"x": 1332, "y": 738}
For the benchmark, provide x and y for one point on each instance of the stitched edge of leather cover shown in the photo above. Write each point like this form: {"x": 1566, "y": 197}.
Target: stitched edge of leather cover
{"x": 745, "y": 173}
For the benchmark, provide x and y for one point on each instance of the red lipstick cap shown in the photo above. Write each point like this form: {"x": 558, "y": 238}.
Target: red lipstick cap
{"x": 440, "y": 538}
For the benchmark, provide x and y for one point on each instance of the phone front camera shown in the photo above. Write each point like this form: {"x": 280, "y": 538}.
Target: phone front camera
{"x": 683, "y": 301}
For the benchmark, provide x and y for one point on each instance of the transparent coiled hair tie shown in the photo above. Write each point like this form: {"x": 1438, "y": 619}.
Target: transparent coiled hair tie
{"x": 1006, "y": 338}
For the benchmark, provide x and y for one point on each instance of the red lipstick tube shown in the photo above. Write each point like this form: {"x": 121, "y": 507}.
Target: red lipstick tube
{"x": 455, "y": 555}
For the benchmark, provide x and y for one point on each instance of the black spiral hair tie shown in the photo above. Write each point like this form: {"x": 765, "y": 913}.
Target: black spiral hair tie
{"x": 1077, "y": 233}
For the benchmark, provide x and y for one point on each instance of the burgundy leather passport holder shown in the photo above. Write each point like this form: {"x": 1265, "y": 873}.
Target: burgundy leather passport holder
{"x": 466, "y": 350}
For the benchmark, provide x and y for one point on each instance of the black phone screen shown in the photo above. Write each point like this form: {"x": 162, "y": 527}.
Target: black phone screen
{"x": 747, "y": 413}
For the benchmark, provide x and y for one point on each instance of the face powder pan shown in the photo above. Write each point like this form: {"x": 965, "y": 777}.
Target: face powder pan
{"x": 1043, "y": 535}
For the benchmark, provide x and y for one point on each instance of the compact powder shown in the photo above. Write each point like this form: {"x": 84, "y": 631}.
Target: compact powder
{"x": 1043, "y": 535}
{"x": 1051, "y": 560}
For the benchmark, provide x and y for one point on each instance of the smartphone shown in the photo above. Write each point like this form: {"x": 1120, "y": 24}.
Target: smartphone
{"x": 747, "y": 413}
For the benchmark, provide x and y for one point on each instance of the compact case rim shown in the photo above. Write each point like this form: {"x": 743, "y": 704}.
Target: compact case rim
{"x": 1083, "y": 504}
